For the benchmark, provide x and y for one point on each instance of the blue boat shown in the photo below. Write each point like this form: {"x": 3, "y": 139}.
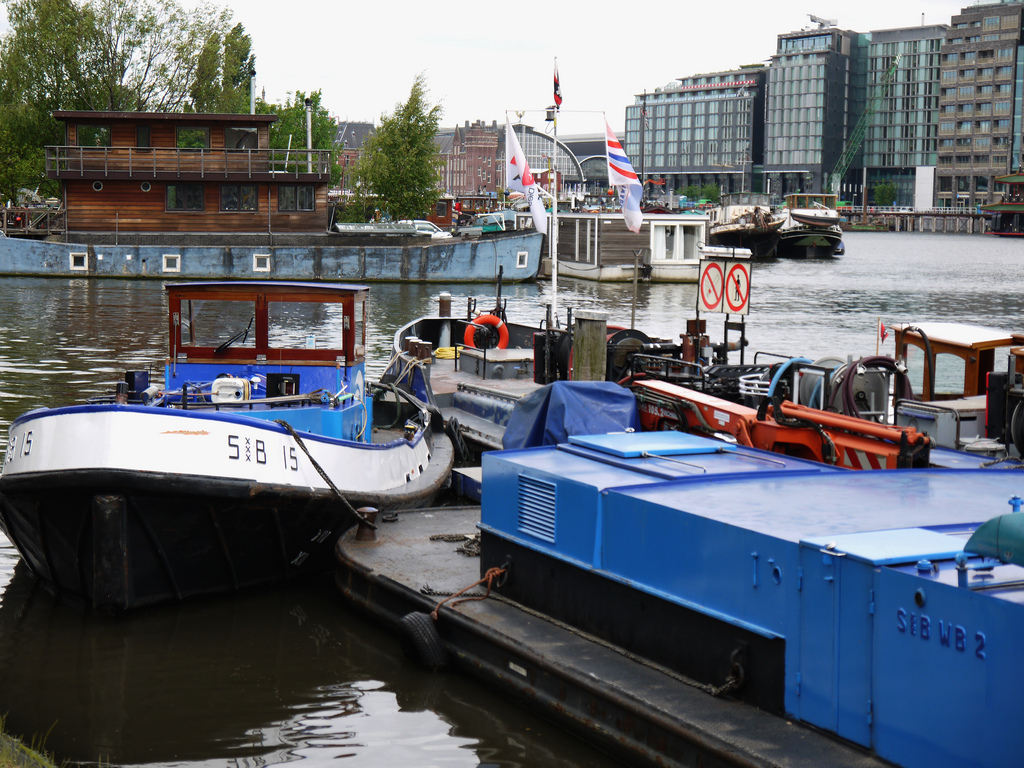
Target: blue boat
{"x": 883, "y": 608}
{"x": 260, "y": 447}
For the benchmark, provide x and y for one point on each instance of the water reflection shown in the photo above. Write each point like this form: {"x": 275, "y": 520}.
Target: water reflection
{"x": 260, "y": 679}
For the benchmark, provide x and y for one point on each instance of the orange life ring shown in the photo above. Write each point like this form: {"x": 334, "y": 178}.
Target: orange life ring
{"x": 491, "y": 320}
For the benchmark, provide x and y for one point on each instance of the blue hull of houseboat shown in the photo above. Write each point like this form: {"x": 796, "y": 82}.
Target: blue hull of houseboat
{"x": 845, "y": 601}
{"x": 317, "y": 257}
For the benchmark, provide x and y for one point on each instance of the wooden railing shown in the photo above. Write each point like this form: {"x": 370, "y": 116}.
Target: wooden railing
{"x": 32, "y": 222}
{"x": 154, "y": 162}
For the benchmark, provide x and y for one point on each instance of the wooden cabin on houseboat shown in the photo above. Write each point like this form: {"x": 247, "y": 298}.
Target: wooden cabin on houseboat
{"x": 161, "y": 195}
{"x": 155, "y": 172}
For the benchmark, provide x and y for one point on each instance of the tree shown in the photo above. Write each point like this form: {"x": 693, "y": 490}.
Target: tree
{"x": 885, "y": 193}
{"x": 289, "y": 130}
{"x": 130, "y": 55}
{"x": 398, "y": 164}
{"x": 21, "y": 164}
{"x": 711, "y": 192}
{"x": 224, "y": 73}
{"x": 692, "y": 193}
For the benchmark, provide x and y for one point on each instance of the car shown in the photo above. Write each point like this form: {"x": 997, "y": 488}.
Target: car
{"x": 424, "y": 227}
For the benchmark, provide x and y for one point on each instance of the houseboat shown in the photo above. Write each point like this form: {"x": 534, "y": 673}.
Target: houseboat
{"x": 164, "y": 195}
{"x": 599, "y": 247}
{"x": 1008, "y": 213}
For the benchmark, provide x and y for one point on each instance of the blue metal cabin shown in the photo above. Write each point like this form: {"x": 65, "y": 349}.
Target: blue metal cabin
{"x": 241, "y": 330}
{"x": 835, "y": 598}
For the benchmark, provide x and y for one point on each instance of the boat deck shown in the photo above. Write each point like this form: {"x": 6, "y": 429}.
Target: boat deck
{"x": 637, "y": 709}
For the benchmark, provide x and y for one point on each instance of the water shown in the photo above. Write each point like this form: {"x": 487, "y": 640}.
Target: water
{"x": 292, "y": 674}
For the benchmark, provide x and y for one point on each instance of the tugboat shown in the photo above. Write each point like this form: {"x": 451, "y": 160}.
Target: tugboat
{"x": 745, "y": 220}
{"x": 811, "y": 229}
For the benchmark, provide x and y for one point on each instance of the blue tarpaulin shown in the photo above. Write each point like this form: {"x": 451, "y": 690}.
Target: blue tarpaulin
{"x": 553, "y": 413}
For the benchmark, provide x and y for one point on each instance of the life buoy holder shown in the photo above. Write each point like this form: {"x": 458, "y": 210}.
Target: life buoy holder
{"x": 489, "y": 320}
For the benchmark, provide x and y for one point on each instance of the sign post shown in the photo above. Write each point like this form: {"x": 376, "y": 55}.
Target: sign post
{"x": 724, "y": 287}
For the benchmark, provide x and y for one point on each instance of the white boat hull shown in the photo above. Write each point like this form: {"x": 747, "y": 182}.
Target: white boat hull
{"x": 127, "y": 506}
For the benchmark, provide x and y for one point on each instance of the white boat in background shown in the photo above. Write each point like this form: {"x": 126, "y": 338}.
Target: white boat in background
{"x": 811, "y": 229}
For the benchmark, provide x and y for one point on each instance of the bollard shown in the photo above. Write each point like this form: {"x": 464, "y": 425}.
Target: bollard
{"x": 444, "y": 302}
{"x": 590, "y": 346}
{"x": 364, "y": 532}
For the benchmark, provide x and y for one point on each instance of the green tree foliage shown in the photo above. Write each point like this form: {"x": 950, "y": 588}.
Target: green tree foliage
{"x": 21, "y": 164}
{"x": 885, "y": 193}
{"x": 289, "y": 130}
{"x": 398, "y": 165}
{"x": 711, "y": 192}
{"x": 119, "y": 55}
{"x": 224, "y": 73}
{"x": 692, "y": 193}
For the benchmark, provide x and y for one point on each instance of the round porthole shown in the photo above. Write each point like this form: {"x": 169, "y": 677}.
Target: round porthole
{"x": 97, "y": 185}
{"x": 145, "y": 186}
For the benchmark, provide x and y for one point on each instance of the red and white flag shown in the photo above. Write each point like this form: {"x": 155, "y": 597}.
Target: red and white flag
{"x": 520, "y": 179}
{"x": 622, "y": 176}
{"x": 558, "y": 88}
{"x": 883, "y": 332}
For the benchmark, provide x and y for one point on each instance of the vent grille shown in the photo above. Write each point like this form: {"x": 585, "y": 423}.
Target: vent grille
{"x": 537, "y": 508}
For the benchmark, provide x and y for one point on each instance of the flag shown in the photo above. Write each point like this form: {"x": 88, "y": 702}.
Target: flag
{"x": 519, "y": 178}
{"x": 883, "y": 332}
{"x": 622, "y": 176}
{"x": 558, "y": 88}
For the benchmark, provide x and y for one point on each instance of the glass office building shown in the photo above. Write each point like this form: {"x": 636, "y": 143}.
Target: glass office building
{"x": 704, "y": 129}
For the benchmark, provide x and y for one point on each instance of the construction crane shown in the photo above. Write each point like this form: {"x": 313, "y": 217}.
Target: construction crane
{"x": 857, "y": 134}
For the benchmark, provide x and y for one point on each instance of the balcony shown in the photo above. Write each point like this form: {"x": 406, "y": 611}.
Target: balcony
{"x": 165, "y": 163}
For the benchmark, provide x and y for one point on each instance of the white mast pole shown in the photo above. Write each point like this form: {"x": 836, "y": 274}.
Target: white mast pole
{"x": 553, "y": 237}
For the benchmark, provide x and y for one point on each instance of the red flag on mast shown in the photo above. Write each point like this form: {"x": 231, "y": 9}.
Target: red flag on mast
{"x": 558, "y": 88}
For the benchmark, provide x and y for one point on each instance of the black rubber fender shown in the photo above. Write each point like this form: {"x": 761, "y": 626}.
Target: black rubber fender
{"x": 1016, "y": 435}
{"x": 421, "y": 642}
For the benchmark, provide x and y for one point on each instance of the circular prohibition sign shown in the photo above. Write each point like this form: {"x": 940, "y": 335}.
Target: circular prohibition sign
{"x": 712, "y": 280}
{"x": 737, "y": 290}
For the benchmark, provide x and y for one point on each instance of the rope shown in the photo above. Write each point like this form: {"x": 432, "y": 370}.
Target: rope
{"x": 447, "y": 353}
{"x": 345, "y": 502}
{"x": 489, "y": 577}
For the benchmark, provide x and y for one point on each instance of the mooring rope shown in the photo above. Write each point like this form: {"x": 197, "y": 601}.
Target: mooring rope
{"x": 345, "y": 502}
{"x": 489, "y": 577}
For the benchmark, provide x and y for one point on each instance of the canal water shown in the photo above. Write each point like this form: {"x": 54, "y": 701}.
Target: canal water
{"x": 292, "y": 674}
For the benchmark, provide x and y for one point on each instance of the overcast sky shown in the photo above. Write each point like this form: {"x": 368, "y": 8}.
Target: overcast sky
{"x": 481, "y": 59}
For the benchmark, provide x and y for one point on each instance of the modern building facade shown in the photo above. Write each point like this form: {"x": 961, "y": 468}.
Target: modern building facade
{"x": 814, "y": 96}
{"x": 901, "y": 142}
{"x": 704, "y": 129}
{"x": 979, "y": 104}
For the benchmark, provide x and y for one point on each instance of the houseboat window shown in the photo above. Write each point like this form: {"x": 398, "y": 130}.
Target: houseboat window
{"x": 297, "y": 197}
{"x": 185, "y": 197}
{"x": 193, "y": 138}
{"x": 142, "y": 136}
{"x": 240, "y": 138}
{"x": 93, "y": 135}
{"x": 238, "y": 197}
